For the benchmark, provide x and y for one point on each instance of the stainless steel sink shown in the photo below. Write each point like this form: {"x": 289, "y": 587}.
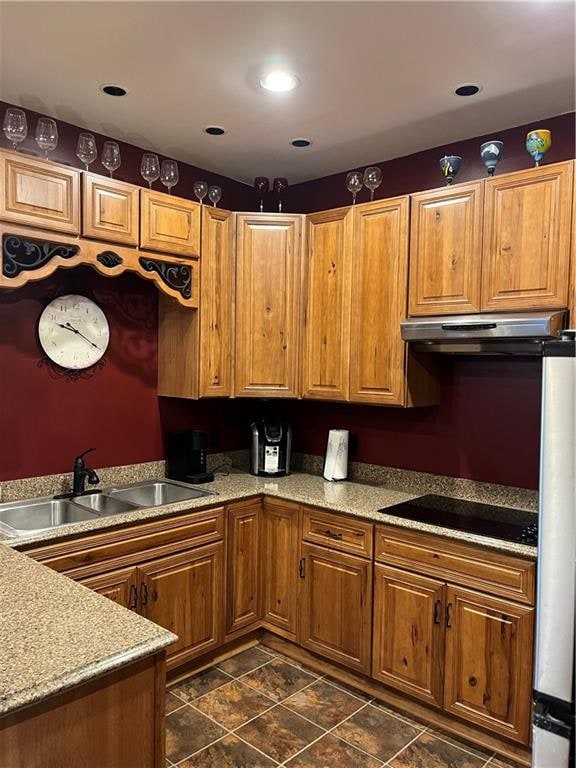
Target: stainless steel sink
{"x": 102, "y": 504}
{"x": 156, "y": 494}
{"x": 25, "y": 517}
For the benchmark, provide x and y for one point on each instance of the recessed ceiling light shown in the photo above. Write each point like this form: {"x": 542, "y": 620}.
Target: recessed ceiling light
{"x": 301, "y": 142}
{"x": 114, "y": 90}
{"x": 279, "y": 81}
{"x": 215, "y": 130}
{"x": 468, "y": 89}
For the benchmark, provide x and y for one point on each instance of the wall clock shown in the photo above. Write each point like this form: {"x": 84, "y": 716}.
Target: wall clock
{"x": 73, "y": 332}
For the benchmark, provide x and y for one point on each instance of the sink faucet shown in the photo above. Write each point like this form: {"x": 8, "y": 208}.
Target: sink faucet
{"x": 81, "y": 472}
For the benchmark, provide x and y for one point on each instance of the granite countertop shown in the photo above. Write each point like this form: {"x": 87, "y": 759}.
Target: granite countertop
{"x": 358, "y": 499}
{"x": 56, "y": 634}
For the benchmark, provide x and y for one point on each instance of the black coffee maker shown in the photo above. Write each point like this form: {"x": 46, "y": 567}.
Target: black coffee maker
{"x": 187, "y": 457}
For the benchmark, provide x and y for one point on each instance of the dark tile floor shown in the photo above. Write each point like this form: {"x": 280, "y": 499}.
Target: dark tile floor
{"x": 259, "y": 709}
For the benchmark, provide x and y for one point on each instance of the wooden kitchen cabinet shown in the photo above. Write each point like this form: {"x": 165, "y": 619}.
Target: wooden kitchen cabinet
{"x": 119, "y": 586}
{"x": 526, "y": 245}
{"x": 327, "y": 284}
{"x": 243, "y": 567}
{"x": 39, "y": 193}
{"x": 169, "y": 224}
{"x": 280, "y": 545}
{"x": 110, "y": 209}
{"x": 184, "y": 593}
{"x": 336, "y": 606}
{"x": 195, "y": 348}
{"x": 488, "y": 672}
{"x": 446, "y": 250}
{"x": 268, "y": 279}
{"x": 408, "y": 650}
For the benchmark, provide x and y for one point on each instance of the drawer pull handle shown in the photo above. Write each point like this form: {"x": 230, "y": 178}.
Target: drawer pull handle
{"x": 333, "y": 534}
{"x": 143, "y": 595}
{"x": 449, "y": 616}
{"x": 301, "y": 567}
{"x": 133, "y": 597}
{"x": 437, "y": 606}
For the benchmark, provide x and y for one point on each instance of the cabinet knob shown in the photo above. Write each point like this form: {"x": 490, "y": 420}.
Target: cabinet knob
{"x": 472, "y": 681}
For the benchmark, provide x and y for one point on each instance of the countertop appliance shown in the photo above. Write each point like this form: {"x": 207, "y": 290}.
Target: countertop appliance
{"x": 518, "y": 333}
{"x": 271, "y": 447}
{"x": 461, "y": 515}
{"x": 186, "y": 460}
{"x": 553, "y": 715}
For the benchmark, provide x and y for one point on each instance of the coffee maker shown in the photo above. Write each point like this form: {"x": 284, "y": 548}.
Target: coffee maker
{"x": 271, "y": 447}
{"x": 187, "y": 457}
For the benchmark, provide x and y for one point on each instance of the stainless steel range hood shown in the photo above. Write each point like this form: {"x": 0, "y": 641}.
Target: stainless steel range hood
{"x": 519, "y": 333}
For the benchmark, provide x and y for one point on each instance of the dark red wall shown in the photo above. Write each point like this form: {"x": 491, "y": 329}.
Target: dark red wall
{"x": 421, "y": 171}
{"x": 235, "y": 195}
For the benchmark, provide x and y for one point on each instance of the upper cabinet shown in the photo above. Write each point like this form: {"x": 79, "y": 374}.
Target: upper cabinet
{"x": 446, "y": 250}
{"x": 526, "y": 254}
{"x": 169, "y": 224}
{"x": 39, "y": 193}
{"x": 326, "y": 361}
{"x": 268, "y": 285}
{"x": 110, "y": 209}
{"x": 195, "y": 348}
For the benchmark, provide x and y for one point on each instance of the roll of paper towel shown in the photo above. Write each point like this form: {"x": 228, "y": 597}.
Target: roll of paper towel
{"x": 336, "y": 461}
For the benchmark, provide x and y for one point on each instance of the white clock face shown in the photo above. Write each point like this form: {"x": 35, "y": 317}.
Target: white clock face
{"x": 73, "y": 331}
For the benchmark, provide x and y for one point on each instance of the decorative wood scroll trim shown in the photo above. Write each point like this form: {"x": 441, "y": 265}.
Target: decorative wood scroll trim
{"x": 177, "y": 278}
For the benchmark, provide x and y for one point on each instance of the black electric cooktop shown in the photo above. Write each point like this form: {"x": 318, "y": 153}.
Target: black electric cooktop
{"x": 482, "y": 519}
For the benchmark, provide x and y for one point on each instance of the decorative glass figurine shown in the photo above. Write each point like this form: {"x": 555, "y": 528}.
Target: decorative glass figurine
{"x": 538, "y": 142}
{"x": 450, "y": 165}
{"x": 491, "y": 152}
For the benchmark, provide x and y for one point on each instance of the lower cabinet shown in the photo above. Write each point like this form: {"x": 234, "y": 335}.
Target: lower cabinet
{"x": 336, "y": 606}
{"x": 243, "y": 567}
{"x": 280, "y": 547}
{"x": 119, "y": 586}
{"x": 408, "y": 633}
{"x": 489, "y": 647}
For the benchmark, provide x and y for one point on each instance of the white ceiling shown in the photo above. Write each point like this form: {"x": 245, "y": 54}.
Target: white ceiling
{"x": 377, "y": 78}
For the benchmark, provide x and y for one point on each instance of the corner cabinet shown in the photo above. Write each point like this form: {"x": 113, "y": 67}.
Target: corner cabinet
{"x": 268, "y": 284}
{"x": 526, "y": 254}
{"x": 446, "y": 250}
{"x": 328, "y": 269}
{"x": 169, "y": 224}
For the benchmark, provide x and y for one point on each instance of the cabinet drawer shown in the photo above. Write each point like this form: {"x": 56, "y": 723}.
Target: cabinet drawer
{"x": 39, "y": 193}
{"x": 169, "y": 224}
{"x": 89, "y": 555}
{"x": 110, "y": 209}
{"x": 338, "y": 532}
{"x": 464, "y": 564}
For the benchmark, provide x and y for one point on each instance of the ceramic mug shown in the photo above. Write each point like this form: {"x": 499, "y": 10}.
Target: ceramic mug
{"x": 538, "y": 142}
{"x": 491, "y": 152}
{"x": 450, "y": 165}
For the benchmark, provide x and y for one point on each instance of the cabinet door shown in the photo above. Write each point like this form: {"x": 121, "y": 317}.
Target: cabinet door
{"x": 184, "y": 594}
{"x": 243, "y": 567}
{"x": 39, "y": 193}
{"x": 526, "y": 254}
{"x": 336, "y": 618}
{"x": 109, "y": 209}
{"x": 408, "y": 633}
{"x": 445, "y": 250}
{"x": 119, "y": 586}
{"x": 279, "y": 558}
{"x": 268, "y": 256}
{"x": 169, "y": 224}
{"x": 488, "y": 673}
{"x": 216, "y": 326}
{"x": 326, "y": 358}
{"x": 379, "y": 296}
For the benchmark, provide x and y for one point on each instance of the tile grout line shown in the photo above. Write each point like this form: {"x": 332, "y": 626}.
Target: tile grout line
{"x": 457, "y": 746}
{"x": 395, "y": 755}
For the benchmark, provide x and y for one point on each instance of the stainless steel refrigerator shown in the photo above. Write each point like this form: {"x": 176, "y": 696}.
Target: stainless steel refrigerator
{"x": 553, "y": 717}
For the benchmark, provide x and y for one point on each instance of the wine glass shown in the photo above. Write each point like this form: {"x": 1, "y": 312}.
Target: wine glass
{"x": 279, "y": 185}
{"x": 538, "y": 142}
{"x": 200, "y": 190}
{"x": 354, "y": 183}
{"x": 169, "y": 174}
{"x": 15, "y": 126}
{"x": 261, "y": 185}
{"x": 86, "y": 150}
{"x": 372, "y": 179}
{"x": 150, "y": 168}
{"x": 214, "y": 195}
{"x": 111, "y": 159}
{"x": 46, "y": 135}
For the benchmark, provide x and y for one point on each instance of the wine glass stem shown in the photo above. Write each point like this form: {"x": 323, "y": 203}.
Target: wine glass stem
{"x": 279, "y": 206}
{"x": 214, "y": 204}
{"x": 169, "y": 190}
{"x": 149, "y": 185}
{"x": 371, "y": 195}
{"x": 111, "y": 174}
{"x": 261, "y": 205}
{"x": 353, "y": 199}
